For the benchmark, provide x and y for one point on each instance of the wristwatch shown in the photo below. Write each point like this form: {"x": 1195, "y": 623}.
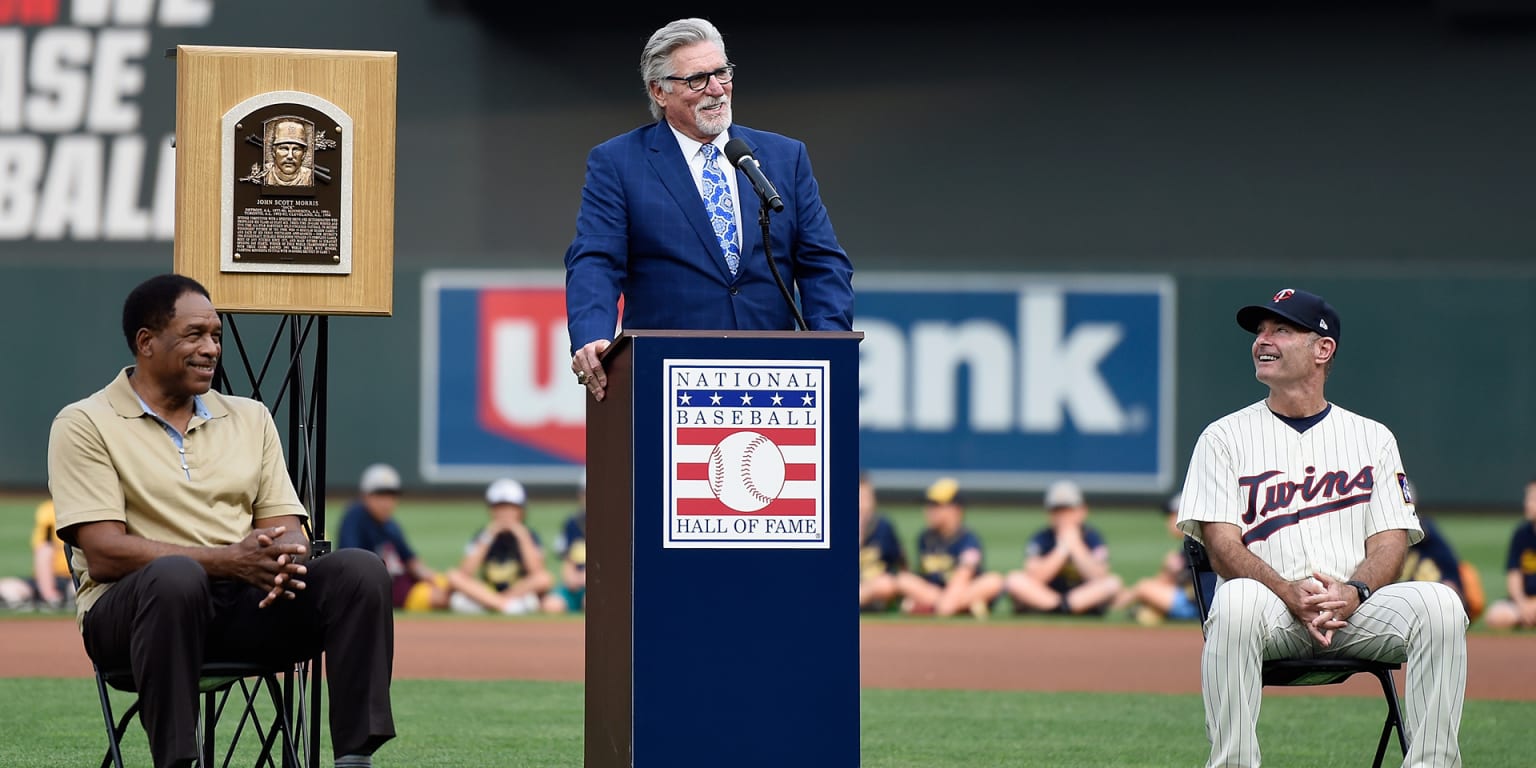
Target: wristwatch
{"x": 1361, "y": 587}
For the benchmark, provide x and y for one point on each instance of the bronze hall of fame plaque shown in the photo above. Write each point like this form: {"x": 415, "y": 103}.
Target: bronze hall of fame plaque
{"x": 287, "y": 187}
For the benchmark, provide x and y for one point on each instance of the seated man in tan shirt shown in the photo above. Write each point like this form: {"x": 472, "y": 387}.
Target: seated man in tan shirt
{"x": 189, "y": 537}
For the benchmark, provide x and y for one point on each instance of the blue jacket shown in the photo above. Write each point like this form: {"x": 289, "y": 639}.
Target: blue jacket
{"x": 642, "y": 231}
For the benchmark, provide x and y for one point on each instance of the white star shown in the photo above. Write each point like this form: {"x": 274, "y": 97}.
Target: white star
{"x": 714, "y": 399}
{"x": 778, "y": 399}
{"x": 746, "y": 398}
{"x": 685, "y": 399}
{"x": 806, "y": 399}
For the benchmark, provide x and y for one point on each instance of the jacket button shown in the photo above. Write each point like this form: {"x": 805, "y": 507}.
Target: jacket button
{"x": 735, "y": 291}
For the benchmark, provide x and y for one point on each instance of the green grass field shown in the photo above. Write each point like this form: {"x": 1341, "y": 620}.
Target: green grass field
{"x": 52, "y": 722}
{"x": 535, "y": 724}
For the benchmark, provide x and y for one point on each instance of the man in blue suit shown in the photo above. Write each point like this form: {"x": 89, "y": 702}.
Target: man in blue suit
{"x": 666, "y": 220}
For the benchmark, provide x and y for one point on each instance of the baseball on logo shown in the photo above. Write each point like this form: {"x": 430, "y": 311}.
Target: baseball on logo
{"x": 746, "y": 471}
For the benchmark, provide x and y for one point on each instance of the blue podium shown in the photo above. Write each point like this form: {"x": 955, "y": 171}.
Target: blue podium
{"x": 722, "y": 552}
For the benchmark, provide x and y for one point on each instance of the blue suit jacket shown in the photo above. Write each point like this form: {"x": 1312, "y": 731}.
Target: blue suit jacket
{"x": 642, "y": 232}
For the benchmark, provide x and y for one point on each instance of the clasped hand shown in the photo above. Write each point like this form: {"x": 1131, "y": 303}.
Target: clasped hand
{"x": 1321, "y": 603}
{"x": 262, "y": 559}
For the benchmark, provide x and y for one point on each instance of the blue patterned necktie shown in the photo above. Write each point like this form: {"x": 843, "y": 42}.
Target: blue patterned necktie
{"x": 720, "y": 207}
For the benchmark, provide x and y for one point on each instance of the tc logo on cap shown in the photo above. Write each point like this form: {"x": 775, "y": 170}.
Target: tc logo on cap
{"x": 1305, "y": 310}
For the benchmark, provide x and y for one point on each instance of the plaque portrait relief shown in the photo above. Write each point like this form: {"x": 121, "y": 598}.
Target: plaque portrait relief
{"x": 290, "y": 159}
{"x": 287, "y": 188}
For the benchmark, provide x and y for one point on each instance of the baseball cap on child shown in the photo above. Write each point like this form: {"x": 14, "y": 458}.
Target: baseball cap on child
{"x": 945, "y": 490}
{"x": 506, "y": 491}
{"x": 1307, "y": 310}
{"x": 380, "y": 478}
{"x": 1063, "y": 493}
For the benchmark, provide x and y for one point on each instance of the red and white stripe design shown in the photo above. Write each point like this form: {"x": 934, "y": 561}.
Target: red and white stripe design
{"x": 802, "y": 456}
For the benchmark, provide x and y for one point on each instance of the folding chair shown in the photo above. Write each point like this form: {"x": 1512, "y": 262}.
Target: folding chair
{"x": 284, "y": 685}
{"x": 218, "y": 681}
{"x": 1305, "y": 671}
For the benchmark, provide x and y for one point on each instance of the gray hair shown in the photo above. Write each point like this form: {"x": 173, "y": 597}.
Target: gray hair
{"x": 656, "y": 58}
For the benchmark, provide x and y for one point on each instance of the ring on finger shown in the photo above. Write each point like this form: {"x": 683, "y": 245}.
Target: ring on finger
{"x": 581, "y": 377}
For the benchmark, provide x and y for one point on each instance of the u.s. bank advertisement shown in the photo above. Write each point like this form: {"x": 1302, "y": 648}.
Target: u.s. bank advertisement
{"x": 498, "y": 398}
{"x": 746, "y": 454}
{"x": 1007, "y": 382}
{"x": 1012, "y": 381}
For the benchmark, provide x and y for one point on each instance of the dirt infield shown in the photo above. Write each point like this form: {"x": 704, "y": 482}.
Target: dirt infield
{"x": 961, "y": 655}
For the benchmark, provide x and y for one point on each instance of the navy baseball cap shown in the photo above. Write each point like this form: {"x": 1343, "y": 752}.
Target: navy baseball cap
{"x": 1307, "y": 310}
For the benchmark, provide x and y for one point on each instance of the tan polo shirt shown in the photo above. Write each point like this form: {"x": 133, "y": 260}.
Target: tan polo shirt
{"x": 109, "y": 460}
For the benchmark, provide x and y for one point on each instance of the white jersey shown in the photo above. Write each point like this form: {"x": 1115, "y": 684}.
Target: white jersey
{"x": 1304, "y": 501}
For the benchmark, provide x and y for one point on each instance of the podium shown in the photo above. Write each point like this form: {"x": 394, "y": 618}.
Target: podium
{"x": 722, "y": 552}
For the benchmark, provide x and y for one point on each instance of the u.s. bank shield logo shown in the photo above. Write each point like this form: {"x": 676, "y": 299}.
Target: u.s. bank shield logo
{"x": 746, "y": 454}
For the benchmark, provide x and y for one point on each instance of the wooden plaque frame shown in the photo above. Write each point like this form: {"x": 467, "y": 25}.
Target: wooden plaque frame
{"x": 213, "y": 80}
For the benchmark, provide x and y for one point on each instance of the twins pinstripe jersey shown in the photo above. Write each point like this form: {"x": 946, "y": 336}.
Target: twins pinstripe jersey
{"x": 1305, "y": 500}
{"x": 1306, "y": 494}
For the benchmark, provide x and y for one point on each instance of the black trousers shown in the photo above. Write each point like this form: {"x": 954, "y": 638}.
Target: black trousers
{"x": 167, "y": 618}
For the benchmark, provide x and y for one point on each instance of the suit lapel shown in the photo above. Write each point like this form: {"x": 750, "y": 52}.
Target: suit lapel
{"x": 672, "y": 169}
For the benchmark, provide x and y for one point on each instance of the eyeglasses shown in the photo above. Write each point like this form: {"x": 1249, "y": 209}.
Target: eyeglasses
{"x": 700, "y": 81}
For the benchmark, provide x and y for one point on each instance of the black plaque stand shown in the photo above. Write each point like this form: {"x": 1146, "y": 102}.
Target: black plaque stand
{"x": 305, "y": 396}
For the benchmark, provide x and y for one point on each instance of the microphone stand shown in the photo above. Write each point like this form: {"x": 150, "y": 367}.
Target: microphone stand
{"x": 762, "y": 218}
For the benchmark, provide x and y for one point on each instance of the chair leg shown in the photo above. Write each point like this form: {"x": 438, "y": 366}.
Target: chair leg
{"x": 215, "y": 702}
{"x": 1394, "y": 718}
{"x": 316, "y": 710}
{"x": 248, "y": 695}
{"x": 295, "y": 733}
{"x": 114, "y": 754}
{"x": 281, "y": 727}
{"x": 123, "y": 722}
{"x": 205, "y": 729}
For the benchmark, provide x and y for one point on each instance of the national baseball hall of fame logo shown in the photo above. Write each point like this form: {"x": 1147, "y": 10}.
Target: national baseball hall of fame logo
{"x": 746, "y": 454}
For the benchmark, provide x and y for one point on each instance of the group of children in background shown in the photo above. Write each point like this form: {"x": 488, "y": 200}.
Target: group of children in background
{"x": 1065, "y": 568}
{"x": 503, "y": 568}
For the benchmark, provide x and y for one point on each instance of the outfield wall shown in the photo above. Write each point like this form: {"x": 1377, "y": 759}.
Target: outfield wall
{"x": 1456, "y": 419}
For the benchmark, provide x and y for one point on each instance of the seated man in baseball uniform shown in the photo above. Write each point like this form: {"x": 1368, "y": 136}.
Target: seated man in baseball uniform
{"x": 1305, "y": 511}
{"x": 951, "y": 576}
{"x": 1518, "y": 611}
{"x": 1066, "y": 564}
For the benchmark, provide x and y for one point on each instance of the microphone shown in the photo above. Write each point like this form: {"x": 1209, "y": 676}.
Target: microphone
{"x": 740, "y": 156}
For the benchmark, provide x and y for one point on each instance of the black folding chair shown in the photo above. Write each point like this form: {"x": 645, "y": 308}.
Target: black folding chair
{"x": 217, "y": 683}
{"x": 281, "y": 737}
{"x": 1305, "y": 671}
